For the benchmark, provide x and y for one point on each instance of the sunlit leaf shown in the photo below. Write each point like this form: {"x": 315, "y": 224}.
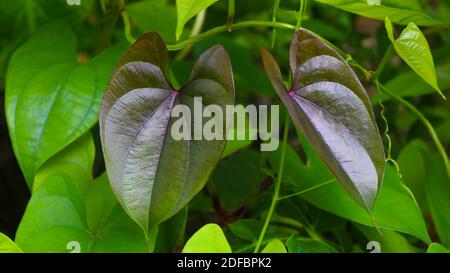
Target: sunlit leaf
{"x": 208, "y": 239}
{"x": 413, "y": 48}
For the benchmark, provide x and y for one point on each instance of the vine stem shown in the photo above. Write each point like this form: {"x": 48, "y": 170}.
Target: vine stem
{"x": 307, "y": 190}
{"x": 276, "y": 6}
{"x": 213, "y": 31}
{"x": 126, "y": 22}
{"x": 276, "y": 192}
{"x": 424, "y": 120}
{"x": 198, "y": 25}
{"x": 231, "y": 11}
{"x": 383, "y": 62}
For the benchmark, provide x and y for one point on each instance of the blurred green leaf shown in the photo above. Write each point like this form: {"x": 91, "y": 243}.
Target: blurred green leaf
{"x": 412, "y": 169}
{"x": 413, "y": 48}
{"x": 154, "y": 15}
{"x": 437, "y": 188}
{"x": 21, "y": 18}
{"x": 7, "y": 245}
{"x": 400, "y": 11}
{"x": 249, "y": 76}
{"x": 208, "y": 239}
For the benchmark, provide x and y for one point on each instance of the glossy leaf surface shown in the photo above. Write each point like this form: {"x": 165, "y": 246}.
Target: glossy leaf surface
{"x": 51, "y": 98}
{"x": 413, "y": 48}
{"x": 328, "y": 103}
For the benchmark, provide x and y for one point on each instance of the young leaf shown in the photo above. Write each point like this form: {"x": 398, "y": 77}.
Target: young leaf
{"x": 413, "y": 48}
{"x": 330, "y": 106}
{"x": 152, "y": 174}
{"x": 7, "y": 245}
{"x": 51, "y": 99}
{"x": 400, "y": 11}
{"x": 186, "y": 9}
{"x": 275, "y": 246}
{"x": 208, "y": 239}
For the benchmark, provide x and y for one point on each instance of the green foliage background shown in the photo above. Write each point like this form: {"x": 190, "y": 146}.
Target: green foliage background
{"x": 60, "y": 193}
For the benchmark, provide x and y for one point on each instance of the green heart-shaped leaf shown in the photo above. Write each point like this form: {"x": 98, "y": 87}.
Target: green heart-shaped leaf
{"x": 328, "y": 103}
{"x": 152, "y": 174}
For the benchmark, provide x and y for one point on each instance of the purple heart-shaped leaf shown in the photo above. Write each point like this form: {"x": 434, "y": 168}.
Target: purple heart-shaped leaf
{"x": 330, "y": 106}
{"x": 152, "y": 174}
